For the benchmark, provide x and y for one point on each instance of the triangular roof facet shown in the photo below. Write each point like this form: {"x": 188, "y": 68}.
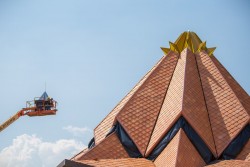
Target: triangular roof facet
{"x": 184, "y": 97}
{"x": 226, "y": 113}
{"x": 109, "y": 148}
{"x": 174, "y": 155}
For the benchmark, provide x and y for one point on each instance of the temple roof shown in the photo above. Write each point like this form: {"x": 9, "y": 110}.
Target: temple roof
{"x": 186, "y": 111}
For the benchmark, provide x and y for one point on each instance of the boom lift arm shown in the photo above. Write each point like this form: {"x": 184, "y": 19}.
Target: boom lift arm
{"x": 12, "y": 119}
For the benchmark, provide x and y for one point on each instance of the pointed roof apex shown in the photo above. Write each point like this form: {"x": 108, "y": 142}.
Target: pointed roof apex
{"x": 44, "y": 96}
{"x": 190, "y": 40}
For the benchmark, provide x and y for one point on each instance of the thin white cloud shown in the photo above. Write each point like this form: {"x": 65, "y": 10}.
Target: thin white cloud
{"x": 76, "y": 131}
{"x": 30, "y": 150}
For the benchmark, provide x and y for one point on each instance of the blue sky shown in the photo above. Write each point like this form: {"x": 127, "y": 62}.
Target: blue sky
{"x": 90, "y": 54}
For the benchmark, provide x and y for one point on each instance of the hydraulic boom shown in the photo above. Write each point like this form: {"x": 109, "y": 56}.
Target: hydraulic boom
{"x": 11, "y": 120}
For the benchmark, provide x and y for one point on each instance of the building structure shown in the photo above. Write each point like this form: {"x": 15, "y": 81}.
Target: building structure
{"x": 186, "y": 111}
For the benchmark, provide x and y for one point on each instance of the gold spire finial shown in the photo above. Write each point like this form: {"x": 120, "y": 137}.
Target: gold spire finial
{"x": 188, "y": 40}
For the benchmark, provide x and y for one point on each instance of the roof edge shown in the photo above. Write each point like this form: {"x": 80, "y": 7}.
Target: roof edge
{"x": 69, "y": 163}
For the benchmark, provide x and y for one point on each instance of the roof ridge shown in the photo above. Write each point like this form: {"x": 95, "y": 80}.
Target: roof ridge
{"x": 140, "y": 82}
{"x": 166, "y": 67}
{"x": 172, "y": 86}
{"x": 247, "y": 122}
{"x": 178, "y": 146}
{"x": 220, "y": 86}
{"x": 74, "y": 156}
{"x": 184, "y": 78}
{"x": 205, "y": 104}
{"x": 160, "y": 108}
{"x": 133, "y": 88}
{"x": 224, "y": 71}
{"x": 228, "y": 85}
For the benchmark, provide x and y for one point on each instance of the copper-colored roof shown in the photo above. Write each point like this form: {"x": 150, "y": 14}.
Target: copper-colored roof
{"x": 185, "y": 97}
{"x": 189, "y": 82}
{"x": 109, "y": 148}
{"x": 103, "y": 128}
{"x": 175, "y": 154}
{"x": 227, "y": 115}
{"x": 245, "y": 152}
{"x": 125, "y": 162}
{"x": 231, "y": 163}
{"x": 140, "y": 113}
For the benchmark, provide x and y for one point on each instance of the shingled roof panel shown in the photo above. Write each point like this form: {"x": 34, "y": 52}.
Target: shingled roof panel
{"x": 194, "y": 107}
{"x": 228, "y": 117}
{"x": 169, "y": 154}
{"x": 237, "y": 89}
{"x": 172, "y": 105}
{"x": 185, "y": 97}
{"x": 175, "y": 154}
{"x": 103, "y": 128}
{"x": 140, "y": 113}
{"x": 109, "y": 148}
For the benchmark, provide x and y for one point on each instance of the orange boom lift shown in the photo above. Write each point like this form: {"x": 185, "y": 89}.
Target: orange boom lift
{"x": 40, "y": 106}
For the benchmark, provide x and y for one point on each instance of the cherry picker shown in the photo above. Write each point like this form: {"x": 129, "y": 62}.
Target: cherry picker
{"x": 40, "y": 106}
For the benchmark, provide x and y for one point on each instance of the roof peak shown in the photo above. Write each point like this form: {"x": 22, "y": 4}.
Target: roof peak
{"x": 188, "y": 39}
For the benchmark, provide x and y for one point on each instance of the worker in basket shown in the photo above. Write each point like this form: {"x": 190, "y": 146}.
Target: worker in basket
{"x": 48, "y": 103}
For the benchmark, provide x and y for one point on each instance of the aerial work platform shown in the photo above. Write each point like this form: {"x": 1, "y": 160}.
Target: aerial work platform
{"x": 40, "y": 106}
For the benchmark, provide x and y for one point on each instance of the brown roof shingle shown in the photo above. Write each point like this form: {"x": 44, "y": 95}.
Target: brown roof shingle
{"x": 171, "y": 109}
{"x": 138, "y": 116}
{"x": 194, "y": 108}
{"x": 169, "y": 154}
{"x": 102, "y": 129}
{"x": 175, "y": 154}
{"x": 109, "y": 148}
{"x": 238, "y": 90}
{"x": 227, "y": 115}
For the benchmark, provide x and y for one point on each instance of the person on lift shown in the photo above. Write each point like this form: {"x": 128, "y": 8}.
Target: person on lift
{"x": 48, "y": 103}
